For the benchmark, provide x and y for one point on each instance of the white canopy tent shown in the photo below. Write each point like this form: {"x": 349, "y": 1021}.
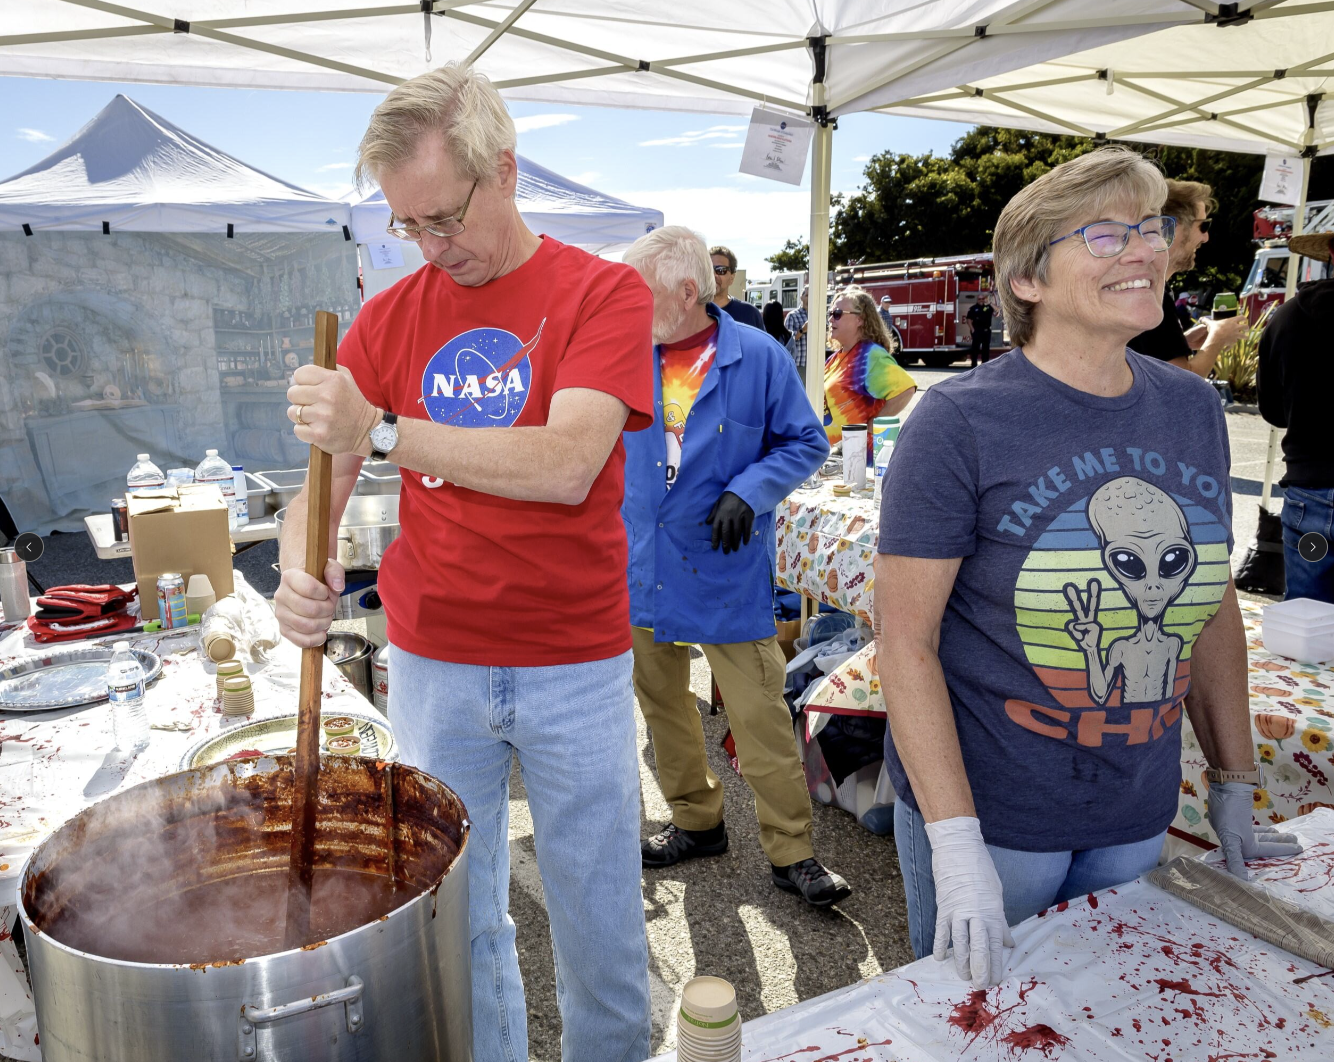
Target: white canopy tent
{"x": 130, "y": 170}
{"x": 823, "y": 58}
{"x": 550, "y": 204}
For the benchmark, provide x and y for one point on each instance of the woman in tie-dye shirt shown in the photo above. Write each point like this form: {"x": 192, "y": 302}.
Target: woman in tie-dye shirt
{"x": 862, "y": 381}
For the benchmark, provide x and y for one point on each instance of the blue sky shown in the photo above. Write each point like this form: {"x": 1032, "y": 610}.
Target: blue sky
{"x": 682, "y": 164}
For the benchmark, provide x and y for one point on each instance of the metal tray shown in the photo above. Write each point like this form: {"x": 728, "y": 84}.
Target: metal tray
{"x": 64, "y": 678}
{"x": 379, "y": 477}
{"x": 275, "y": 735}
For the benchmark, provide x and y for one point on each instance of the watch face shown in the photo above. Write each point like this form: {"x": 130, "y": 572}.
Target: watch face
{"x": 384, "y": 437}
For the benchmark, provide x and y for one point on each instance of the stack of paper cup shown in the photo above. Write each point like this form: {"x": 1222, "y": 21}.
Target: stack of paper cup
{"x": 708, "y": 1027}
{"x": 229, "y": 669}
{"x": 238, "y": 698}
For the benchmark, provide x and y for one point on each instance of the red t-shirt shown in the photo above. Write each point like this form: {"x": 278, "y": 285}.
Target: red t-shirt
{"x": 478, "y": 579}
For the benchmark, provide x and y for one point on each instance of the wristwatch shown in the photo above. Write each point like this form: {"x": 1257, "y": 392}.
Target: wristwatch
{"x": 384, "y": 436}
{"x": 1255, "y": 776}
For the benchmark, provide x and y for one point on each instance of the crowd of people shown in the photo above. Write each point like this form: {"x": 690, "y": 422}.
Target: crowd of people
{"x": 642, "y": 427}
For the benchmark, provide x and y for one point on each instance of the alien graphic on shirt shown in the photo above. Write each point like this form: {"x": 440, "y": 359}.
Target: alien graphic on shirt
{"x": 1147, "y": 548}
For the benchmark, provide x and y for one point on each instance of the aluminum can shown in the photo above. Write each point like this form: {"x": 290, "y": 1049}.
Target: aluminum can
{"x": 120, "y": 519}
{"x": 380, "y": 680}
{"x": 171, "y": 599}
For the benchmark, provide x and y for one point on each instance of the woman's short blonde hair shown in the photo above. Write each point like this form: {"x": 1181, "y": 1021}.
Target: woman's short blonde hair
{"x": 873, "y": 325}
{"x": 454, "y": 101}
{"x": 1073, "y": 194}
{"x": 671, "y": 255}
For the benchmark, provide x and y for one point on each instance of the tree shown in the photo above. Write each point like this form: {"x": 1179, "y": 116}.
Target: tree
{"x": 794, "y": 257}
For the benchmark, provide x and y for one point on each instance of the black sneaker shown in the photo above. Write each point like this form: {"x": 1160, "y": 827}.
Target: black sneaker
{"x": 671, "y": 845}
{"x": 812, "y": 882}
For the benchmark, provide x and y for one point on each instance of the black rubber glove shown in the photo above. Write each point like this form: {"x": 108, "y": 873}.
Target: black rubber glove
{"x": 731, "y": 519}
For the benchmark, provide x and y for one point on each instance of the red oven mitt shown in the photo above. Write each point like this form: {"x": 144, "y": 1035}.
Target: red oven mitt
{"x": 69, "y": 630}
{"x": 81, "y": 601}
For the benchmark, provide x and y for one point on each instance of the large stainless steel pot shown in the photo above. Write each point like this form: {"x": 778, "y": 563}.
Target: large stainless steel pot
{"x": 369, "y": 524}
{"x": 398, "y": 988}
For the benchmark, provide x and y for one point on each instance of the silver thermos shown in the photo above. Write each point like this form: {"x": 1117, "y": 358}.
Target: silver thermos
{"x": 14, "y": 587}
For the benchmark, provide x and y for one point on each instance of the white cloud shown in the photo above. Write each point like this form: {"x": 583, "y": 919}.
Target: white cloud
{"x": 861, "y": 158}
{"x": 587, "y": 177}
{"x": 334, "y": 166}
{"x": 698, "y": 136}
{"x": 531, "y": 122}
{"x": 738, "y": 144}
{"x": 333, "y": 191}
{"x": 33, "y": 136}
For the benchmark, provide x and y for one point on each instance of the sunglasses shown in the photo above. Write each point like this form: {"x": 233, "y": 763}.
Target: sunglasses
{"x": 721, "y": 271}
{"x": 1204, "y": 225}
{"x": 834, "y": 315}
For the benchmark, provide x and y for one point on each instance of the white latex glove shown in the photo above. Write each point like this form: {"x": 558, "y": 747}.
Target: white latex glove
{"x": 970, "y": 909}
{"x": 1230, "y": 807}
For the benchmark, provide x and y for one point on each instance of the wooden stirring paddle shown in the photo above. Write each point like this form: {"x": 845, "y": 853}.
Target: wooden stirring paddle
{"x": 306, "y": 772}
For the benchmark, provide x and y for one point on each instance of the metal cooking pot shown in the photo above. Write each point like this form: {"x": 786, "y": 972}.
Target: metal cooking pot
{"x": 397, "y": 988}
{"x": 369, "y": 524}
{"x": 351, "y": 654}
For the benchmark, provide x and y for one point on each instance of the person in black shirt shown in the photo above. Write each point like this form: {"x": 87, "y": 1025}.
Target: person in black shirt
{"x": 1295, "y": 379}
{"x": 979, "y": 320}
{"x": 1196, "y": 349}
{"x": 724, "y": 272}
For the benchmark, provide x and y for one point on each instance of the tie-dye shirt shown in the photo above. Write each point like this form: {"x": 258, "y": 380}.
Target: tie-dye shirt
{"x": 857, "y": 384}
{"x": 684, "y": 366}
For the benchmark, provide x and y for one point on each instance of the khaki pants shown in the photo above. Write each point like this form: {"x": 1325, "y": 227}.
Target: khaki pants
{"x": 750, "y": 676}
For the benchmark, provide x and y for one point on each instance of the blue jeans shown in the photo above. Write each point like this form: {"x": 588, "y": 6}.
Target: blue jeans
{"x": 572, "y": 728}
{"x": 1304, "y": 511}
{"x": 1031, "y": 881}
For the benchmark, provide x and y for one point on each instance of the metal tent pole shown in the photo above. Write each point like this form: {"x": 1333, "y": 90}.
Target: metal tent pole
{"x": 821, "y": 164}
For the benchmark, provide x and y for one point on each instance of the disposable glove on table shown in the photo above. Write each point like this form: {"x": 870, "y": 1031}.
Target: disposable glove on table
{"x": 732, "y": 520}
{"x": 970, "y": 907}
{"x": 1230, "y": 808}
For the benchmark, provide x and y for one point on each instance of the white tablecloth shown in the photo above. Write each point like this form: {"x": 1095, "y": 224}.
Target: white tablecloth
{"x": 54, "y": 764}
{"x": 1129, "y": 973}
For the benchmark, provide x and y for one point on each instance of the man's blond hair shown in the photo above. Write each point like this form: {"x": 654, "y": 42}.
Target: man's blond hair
{"x": 453, "y": 101}
{"x": 1073, "y": 194}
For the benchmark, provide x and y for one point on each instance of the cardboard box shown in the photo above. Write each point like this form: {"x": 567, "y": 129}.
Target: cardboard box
{"x": 788, "y": 632}
{"x": 179, "y": 529}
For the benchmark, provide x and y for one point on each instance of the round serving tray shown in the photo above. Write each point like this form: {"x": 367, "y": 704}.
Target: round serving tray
{"x": 275, "y": 735}
{"x": 64, "y": 678}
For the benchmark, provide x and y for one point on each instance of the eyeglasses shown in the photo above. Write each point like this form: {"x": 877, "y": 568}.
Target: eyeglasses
{"x": 721, "y": 271}
{"x": 1204, "y": 224}
{"x": 444, "y": 228}
{"x": 834, "y": 315}
{"x": 1107, "y": 239}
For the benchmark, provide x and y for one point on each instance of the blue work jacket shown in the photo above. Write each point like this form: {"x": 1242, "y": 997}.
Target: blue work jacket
{"x": 751, "y": 431}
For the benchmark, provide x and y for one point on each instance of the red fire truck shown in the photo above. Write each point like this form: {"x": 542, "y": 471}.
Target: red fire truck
{"x": 1267, "y": 281}
{"x": 929, "y": 299}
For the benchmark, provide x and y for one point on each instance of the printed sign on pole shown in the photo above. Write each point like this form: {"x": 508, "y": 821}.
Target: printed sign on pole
{"x": 776, "y": 146}
{"x": 1282, "y": 180}
{"x": 388, "y": 255}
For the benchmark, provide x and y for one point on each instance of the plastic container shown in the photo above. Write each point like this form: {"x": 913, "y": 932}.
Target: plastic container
{"x": 854, "y": 455}
{"x": 125, "y": 691}
{"x": 213, "y": 469}
{"x": 882, "y": 455}
{"x": 1300, "y": 629}
{"x": 143, "y": 475}
{"x": 240, "y": 495}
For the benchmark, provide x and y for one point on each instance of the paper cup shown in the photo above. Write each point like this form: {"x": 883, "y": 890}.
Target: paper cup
{"x": 708, "y": 1001}
{"x": 708, "y": 1026}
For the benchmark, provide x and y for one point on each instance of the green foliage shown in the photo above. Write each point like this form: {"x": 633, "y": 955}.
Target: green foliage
{"x": 794, "y": 256}
{"x": 1239, "y": 363}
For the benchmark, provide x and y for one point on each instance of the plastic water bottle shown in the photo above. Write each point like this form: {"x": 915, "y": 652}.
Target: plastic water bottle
{"x": 125, "y": 691}
{"x": 882, "y": 457}
{"x": 144, "y": 475}
{"x": 242, "y": 499}
{"x": 213, "y": 469}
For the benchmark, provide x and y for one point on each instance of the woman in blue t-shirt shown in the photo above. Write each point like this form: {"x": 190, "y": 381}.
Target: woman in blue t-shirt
{"x": 1053, "y": 586}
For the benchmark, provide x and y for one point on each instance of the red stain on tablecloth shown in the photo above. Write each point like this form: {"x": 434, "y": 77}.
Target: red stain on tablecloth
{"x": 1093, "y": 901}
{"x": 1035, "y": 1038}
{"x": 1184, "y": 987}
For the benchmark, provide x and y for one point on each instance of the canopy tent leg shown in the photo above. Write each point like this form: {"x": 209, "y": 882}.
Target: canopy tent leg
{"x": 822, "y": 155}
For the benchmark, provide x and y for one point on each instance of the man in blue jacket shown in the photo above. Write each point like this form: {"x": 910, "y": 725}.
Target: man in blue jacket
{"x": 700, "y": 523}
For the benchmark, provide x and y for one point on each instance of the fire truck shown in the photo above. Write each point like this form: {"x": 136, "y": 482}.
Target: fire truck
{"x": 929, "y": 299}
{"x": 1267, "y": 281}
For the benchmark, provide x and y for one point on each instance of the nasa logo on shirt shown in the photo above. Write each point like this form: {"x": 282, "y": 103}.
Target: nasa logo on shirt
{"x": 479, "y": 379}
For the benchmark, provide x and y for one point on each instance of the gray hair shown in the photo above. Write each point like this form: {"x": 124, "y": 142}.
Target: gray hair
{"x": 672, "y": 255}
{"x": 455, "y": 101}
{"x": 1074, "y": 192}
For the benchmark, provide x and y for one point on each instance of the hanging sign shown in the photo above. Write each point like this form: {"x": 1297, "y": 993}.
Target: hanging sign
{"x": 386, "y": 255}
{"x": 1282, "y": 180}
{"x": 776, "y": 146}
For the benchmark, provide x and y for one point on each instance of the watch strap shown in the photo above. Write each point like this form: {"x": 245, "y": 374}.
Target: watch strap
{"x": 385, "y": 418}
{"x": 1215, "y": 776}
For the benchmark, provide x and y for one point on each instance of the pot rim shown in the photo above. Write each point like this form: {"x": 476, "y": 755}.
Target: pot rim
{"x": 33, "y": 932}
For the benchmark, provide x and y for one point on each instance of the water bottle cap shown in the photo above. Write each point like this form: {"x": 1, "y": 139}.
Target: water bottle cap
{"x": 121, "y": 646}
{"x": 143, "y": 457}
{"x": 210, "y": 453}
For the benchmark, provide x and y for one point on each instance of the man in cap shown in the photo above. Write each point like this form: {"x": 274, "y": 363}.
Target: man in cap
{"x": 1295, "y": 379}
